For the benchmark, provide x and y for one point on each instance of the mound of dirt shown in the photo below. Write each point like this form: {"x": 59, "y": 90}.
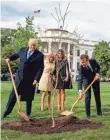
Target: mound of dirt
{"x": 44, "y": 126}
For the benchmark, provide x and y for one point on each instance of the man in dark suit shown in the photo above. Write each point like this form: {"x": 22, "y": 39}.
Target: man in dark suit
{"x": 28, "y": 75}
{"x": 88, "y": 70}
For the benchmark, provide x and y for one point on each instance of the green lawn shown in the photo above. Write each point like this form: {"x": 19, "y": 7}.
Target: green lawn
{"x": 99, "y": 134}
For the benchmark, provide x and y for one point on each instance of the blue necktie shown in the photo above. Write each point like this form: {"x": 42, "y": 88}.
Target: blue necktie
{"x": 28, "y": 54}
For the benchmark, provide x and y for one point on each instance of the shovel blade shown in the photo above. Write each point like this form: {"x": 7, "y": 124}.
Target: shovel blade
{"x": 23, "y": 116}
{"x": 67, "y": 113}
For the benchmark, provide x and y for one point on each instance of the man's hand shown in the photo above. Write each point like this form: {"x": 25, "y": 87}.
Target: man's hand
{"x": 7, "y": 60}
{"x": 80, "y": 95}
{"x": 97, "y": 76}
{"x": 35, "y": 82}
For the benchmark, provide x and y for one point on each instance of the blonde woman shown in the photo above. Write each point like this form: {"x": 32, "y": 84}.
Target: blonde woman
{"x": 45, "y": 83}
{"x": 63, "y": 78}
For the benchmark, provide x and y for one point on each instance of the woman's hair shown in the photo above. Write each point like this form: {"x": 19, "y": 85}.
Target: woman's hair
{"x": 50, "y": 55}
{"x": 62, "y": 52}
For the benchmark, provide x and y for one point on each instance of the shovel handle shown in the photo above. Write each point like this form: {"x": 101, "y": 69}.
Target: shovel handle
{"x": 89, "y": 86}
{"x": 53, "y": 119}
{"x": 74, "y": 104}
{"x": 15, "y": 89}
{"x": 83, "y": 93}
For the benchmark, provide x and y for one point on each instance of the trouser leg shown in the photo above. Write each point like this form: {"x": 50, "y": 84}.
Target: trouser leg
{"x": 87, "y": 98}
{"x": 96, "y": 89}
{"x": 11, "y": 103}
{"x": 28, "y": 107}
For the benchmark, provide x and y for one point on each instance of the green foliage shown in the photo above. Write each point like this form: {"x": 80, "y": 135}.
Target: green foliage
{"x": 23, "y": 34}
{"x": 7, "y": 51}
{"x": 108, "y": 72}
{"x": 18, "y": 40}
{"x": 102, "y": 55}
{"x": 6, "y": 36}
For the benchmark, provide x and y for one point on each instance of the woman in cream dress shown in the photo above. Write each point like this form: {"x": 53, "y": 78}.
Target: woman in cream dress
{"x": 45, "y": 83}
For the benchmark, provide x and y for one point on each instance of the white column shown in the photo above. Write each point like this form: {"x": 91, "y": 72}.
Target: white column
{"x": 49, "y": 47}
{"x": 75, "y": 62}
{"x": 60, "y": 45}
{"x": 68, "y": 54}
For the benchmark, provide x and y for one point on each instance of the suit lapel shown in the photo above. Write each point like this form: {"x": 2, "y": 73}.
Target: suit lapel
{"x": 33, "y": 56}
{"x": 91, "y": 66}
{"x": 25, "y": 54}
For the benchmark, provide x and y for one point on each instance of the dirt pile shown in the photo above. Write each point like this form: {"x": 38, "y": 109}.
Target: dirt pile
{"x": 43, "y": 126}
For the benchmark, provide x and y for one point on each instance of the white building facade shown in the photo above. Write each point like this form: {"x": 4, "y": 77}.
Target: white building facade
{"x": 54, "y": 39}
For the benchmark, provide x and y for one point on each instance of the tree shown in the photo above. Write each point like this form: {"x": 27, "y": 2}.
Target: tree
{"x": 6, "y": 35}
{"x": 23, "y": 34}
{"x": 60, "y": 18}
{"x": 19, "y": 40}
{"x": 6, "y": 51}
{"x": 102, "y": 55}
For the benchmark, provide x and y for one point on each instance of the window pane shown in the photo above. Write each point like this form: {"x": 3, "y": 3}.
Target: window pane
{"x": 86, "y": 52}
{"x": 78, "y": 52}
{"x": 78, "y": 64}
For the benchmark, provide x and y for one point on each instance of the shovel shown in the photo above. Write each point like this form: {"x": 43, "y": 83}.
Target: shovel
{"x": 21, "y": 114}
{"x": 67, "y": 113}
{"x": 53, "y": 119}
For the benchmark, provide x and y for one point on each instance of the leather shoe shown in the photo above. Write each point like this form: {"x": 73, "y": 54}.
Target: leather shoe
{"x": 3, "y": 116}
{"x": 88, "y": 117}
{"x": 100, "y": 114}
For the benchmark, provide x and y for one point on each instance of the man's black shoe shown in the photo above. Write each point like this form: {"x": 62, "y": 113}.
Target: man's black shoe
{"x": 88, "y": 117}
{"x": 3, "y": 116}
{"x": 28, "y": 115}
{"x": 100, "y": 114}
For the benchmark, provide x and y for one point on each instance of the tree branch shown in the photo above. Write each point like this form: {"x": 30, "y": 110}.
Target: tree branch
{"x": 54, "y": 17}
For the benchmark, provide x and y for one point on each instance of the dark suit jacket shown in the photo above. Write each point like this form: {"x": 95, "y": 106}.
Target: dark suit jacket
{"x": 87, "y": 74}
{"x": 29, "y": 70}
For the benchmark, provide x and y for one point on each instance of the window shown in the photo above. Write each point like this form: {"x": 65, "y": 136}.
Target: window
{"x": 78, "y": 64}
{"x": 70, "y": 65}
{"x": 44, "y": 48}
{"x": 54, "y": 47}
{"x": 86, "y": 52}
{"x": 71, "y": 49}
{"x": 65, "y": 47}
{"x": 78, "y": 52}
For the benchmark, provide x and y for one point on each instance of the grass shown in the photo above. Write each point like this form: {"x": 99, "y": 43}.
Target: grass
{"x": 71, "y": 95}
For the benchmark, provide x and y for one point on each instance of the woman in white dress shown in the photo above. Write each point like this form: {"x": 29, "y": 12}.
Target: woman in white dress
{"x": 45, "y": 83}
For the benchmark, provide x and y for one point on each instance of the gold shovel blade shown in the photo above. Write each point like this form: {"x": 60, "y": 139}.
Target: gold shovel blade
{"x": 23, "y": 116}
{"x": 67, "y": 113}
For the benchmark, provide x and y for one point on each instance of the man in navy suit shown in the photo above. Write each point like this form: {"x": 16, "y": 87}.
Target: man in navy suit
{"x": 88, "y": 70}
{"x": 28, "y": 75}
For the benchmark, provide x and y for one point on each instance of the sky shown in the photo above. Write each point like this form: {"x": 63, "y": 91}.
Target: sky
{"x": 91, "y": 17}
